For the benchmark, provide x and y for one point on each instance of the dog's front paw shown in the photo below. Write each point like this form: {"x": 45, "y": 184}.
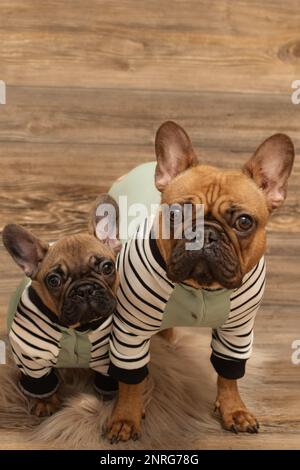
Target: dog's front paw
{"x": 122, "y": 429}
{"x": 46, "y": 406}
{"x": 237, "y": 418}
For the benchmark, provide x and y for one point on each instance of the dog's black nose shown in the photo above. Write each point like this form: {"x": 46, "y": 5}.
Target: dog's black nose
{"x": 85, "y": 290}
{"x": 211, "y": 235}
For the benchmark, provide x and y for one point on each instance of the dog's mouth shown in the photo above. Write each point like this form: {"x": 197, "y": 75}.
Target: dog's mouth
{"x": 214, "y": 266}
{"x": 86, "y": 302}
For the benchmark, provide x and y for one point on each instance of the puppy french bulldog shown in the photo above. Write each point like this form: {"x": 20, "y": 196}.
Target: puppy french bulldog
{"x": 62, "y": 316}
{"x": 218, "y": 285}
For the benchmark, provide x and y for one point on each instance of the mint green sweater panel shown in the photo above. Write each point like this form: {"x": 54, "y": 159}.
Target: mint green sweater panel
{"x": 196, "y": 307}
{"x": 75, "y": 349}
{"x": 139, "y": 188}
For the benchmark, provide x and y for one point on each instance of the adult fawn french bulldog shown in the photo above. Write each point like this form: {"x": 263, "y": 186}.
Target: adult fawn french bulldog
{"x": 62, "y": 314}
{"x": 163, "y": 285}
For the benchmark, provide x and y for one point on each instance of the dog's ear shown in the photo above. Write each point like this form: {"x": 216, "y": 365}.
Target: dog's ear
{"x": 174, "y": 153}
{"x": 104, "y": 221}
{"x": 271, "y": 166}
{"x": 26, "y": 249}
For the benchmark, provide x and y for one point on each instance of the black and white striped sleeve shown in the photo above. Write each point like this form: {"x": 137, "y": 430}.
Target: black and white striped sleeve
{"x": 142, "y": 296}
{"x": 35, "y": 346}
{"x": 232, "y": 342}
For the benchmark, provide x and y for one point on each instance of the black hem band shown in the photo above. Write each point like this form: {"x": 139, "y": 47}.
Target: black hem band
{"x": 229, "y": 369}
{"x": 105, "y": 383}
{"x": 133, "y": 377}
{"x": 42, "y": 387}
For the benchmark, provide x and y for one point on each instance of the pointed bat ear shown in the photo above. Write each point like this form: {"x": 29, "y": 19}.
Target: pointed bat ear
{"x": 174, "y": 153}
{"x": 270, "y": 168}
{"x": 27, "y": 250}
{"x": 104, "y": 221}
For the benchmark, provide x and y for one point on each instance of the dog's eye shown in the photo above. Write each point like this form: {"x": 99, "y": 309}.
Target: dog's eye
{"x": 243, "y": 223}
{"x": 107, "y": 267}
{"x": 54, "y": 280}
{"x": 175, "y": 213}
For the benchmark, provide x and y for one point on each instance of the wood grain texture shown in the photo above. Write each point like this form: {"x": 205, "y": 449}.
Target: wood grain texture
{"x": 155, "y": 45}
{"x": 235, "y": 121}
{"x": 87, "y": 86}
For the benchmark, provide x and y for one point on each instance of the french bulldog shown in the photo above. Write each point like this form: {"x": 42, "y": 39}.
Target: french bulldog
{"x": 63, "y": 315}
{"x": 229, "y": 266}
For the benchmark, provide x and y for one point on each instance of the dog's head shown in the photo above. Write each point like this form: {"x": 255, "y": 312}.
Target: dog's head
{"x": 75, "y": 276}
{"x": 237, "y": 205}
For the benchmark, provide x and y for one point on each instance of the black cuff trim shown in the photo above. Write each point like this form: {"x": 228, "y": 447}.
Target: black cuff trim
{"x": 228, "y": 369}
{"x": 42, "y": 387}
{"x": 105, "y": 383}
{"x": 134, "y": 376}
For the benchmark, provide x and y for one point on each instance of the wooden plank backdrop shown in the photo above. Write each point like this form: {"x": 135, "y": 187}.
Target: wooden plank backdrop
{"x": 88, "y": 83}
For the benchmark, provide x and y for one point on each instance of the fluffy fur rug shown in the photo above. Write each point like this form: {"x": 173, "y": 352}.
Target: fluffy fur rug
{"x": 180, "y": 395}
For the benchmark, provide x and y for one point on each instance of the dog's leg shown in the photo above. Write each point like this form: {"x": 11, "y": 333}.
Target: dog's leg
{"x": 125, "y": 422}
{"x": 234, "y": 413}
{"x": 42, "y": 407}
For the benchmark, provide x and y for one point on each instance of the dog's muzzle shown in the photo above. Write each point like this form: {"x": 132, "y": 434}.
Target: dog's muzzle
{"x": 86, "y": 302}
{"x": 216, "y": 262}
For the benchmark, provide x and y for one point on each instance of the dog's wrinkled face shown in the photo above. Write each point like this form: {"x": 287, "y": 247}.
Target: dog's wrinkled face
{"x": 75, "y": 276}
{"x": 236, "y": 203}
{"x": 235, "y": 216}
{"x": 78, "y": 276}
